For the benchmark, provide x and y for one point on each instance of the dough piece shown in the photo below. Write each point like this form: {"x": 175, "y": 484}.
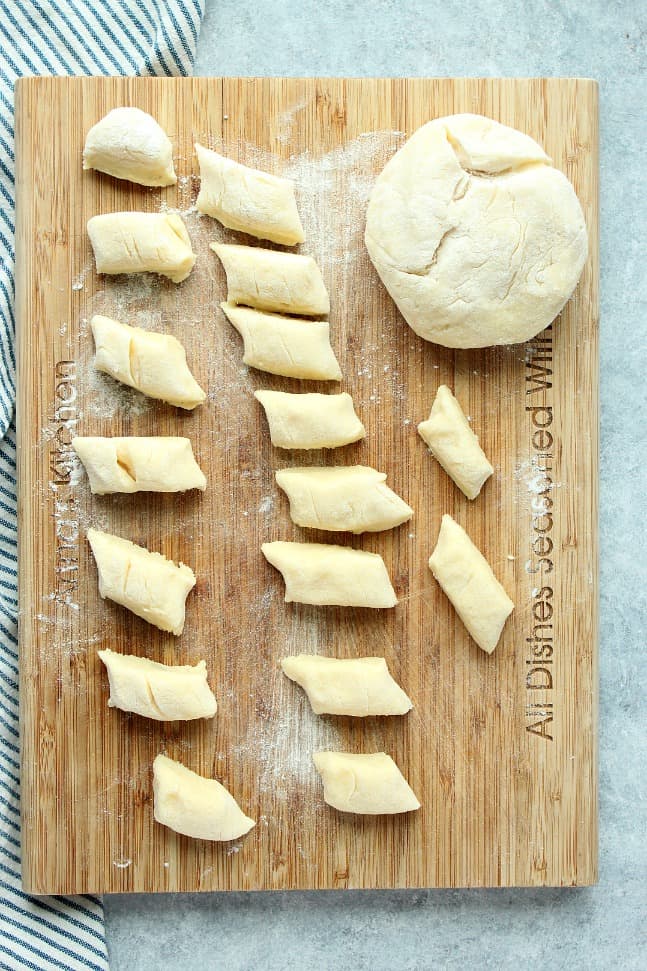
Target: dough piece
{"x": 129, "y": 144}
{"x": 146, "y": 583}
{"x": 194, "y": 806}
{"x": 269, "y": 280}
{"x": 310, "y": 420}
{"x": 154, "y": 364}
{"x": 163, "y": 692}
{"x": 448, "y": 434}
{"x": 477, "y": 238}
{"x": 360, "y": 687}
{"x": 466, "y": 577}
{"x": 248, "y": 200}
{"x": 350, "y": 498}
{"x": 285, "y": 345}
{"x": 139, "y": 464}
{"x": 317, "y": 573}
{"x": 141, "y": 242}
{"x": 368, "y": 784}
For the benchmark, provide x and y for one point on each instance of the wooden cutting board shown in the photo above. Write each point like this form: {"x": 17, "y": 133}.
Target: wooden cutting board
{"x": 501, "y": 750}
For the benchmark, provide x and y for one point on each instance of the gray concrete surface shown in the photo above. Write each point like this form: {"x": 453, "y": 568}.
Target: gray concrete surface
{"x": 597, "y": 928}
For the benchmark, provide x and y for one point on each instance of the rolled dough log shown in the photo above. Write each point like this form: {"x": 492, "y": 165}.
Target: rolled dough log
{"x": 310, "y": 420}
{"x": 270, "y": 280}
{"x": 134, "y": 464}
{"x": 288, "y": 346}
{"x": 359, "y": 686}
{"x": 349, "y": 498}
{"x": 146, "y": 583}
{"x": 141, "y": 242}
{"x": 367, "y": 784}
{"x": 448, "y": 434}
{"x": 194, "y": 806}
{"x": 248, "y": 200}
{"x": 318, "y": 573}
{"x": 163, "y": 692}
{"x": 154, "y": 364}
{"x": 467, "y": 578}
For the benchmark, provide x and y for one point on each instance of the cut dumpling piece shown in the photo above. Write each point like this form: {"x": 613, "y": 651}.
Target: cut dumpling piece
{"x": 349, "y": 498}
{"x": 129, "y": 144}
{"x": 466, "y": 577}
{"x": 154, "y": 364}
{"x": 310, "y": 420}
{"x": 139, "y": 464}
{"x": 367, "y": 784}
{"x": 148, "y": 584}
{"x": 448, "y": 434}
{"x": 248, "y": 200}
{"x": 317, "y": 573}
{"x": 163, "y": 692}
{"x": 141, "y": 242}
{"x": 289, "y": 346}
{"x": 194, "y": 806}
{"x": 270, "y": 280}
{"x": 359, "y": 686}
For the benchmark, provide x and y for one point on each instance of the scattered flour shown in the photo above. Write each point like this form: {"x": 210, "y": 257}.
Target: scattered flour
{"x": 266, "y": 506}
{"x": 287, "y": 120}
{"x": 279, "y": 733}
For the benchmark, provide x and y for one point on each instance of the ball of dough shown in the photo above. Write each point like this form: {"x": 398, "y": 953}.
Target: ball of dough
{"x": 475, "y": 235}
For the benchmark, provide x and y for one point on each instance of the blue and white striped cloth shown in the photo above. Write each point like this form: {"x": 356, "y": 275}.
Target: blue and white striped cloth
{"x": 63, "y": 37}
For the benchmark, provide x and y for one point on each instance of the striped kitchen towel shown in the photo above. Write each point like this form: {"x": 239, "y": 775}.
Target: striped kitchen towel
{"x": 63, "y": 37}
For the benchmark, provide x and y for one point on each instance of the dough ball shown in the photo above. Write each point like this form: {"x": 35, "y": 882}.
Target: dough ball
{"x": 475, "y": 235}
{"x": 129, "y": 144}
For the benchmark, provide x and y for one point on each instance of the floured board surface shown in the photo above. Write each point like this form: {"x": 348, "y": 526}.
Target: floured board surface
{"x": 501, "y": 750}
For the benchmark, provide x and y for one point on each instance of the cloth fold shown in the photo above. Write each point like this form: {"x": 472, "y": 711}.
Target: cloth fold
{"x": 60, "y": 37}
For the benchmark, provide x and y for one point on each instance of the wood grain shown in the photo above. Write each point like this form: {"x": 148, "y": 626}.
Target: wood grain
{"x": 503, "y": 804}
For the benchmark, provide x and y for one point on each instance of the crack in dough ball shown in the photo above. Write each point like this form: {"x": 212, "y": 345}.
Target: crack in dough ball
{"x": 475, "y": 235}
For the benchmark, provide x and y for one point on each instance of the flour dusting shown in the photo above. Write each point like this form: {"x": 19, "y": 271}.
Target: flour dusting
{"x": 287, "y": 120}
{"x": 282, "y": 746}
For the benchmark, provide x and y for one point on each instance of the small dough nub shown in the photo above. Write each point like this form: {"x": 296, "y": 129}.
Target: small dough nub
{"x": 129, "y": 144}
{"x": 141, "y": 242}
{"x": 347, "y": 498}
{"x": 288, "y": 283}
{"x": 288, "y": 346}
{"x": 247, "y": 199}
{"x": 310, "y": 420}
{"x": 467, "y": 579}
{"x": 322, "y": 574}
{"x": 157, "y": 464}
{"x": 154, "y": 364}
{"x": 146, "y": 583}
{"x": 367, "y": 784}
{"x": 163, "y": 692}
{"x": 448, "y": 434}
{"x": 194, "y": 806}
{"x": 359, "y": 686}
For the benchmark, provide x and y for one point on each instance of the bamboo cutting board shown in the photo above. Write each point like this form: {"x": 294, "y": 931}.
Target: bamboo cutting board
{"x": 500, "y": 750}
